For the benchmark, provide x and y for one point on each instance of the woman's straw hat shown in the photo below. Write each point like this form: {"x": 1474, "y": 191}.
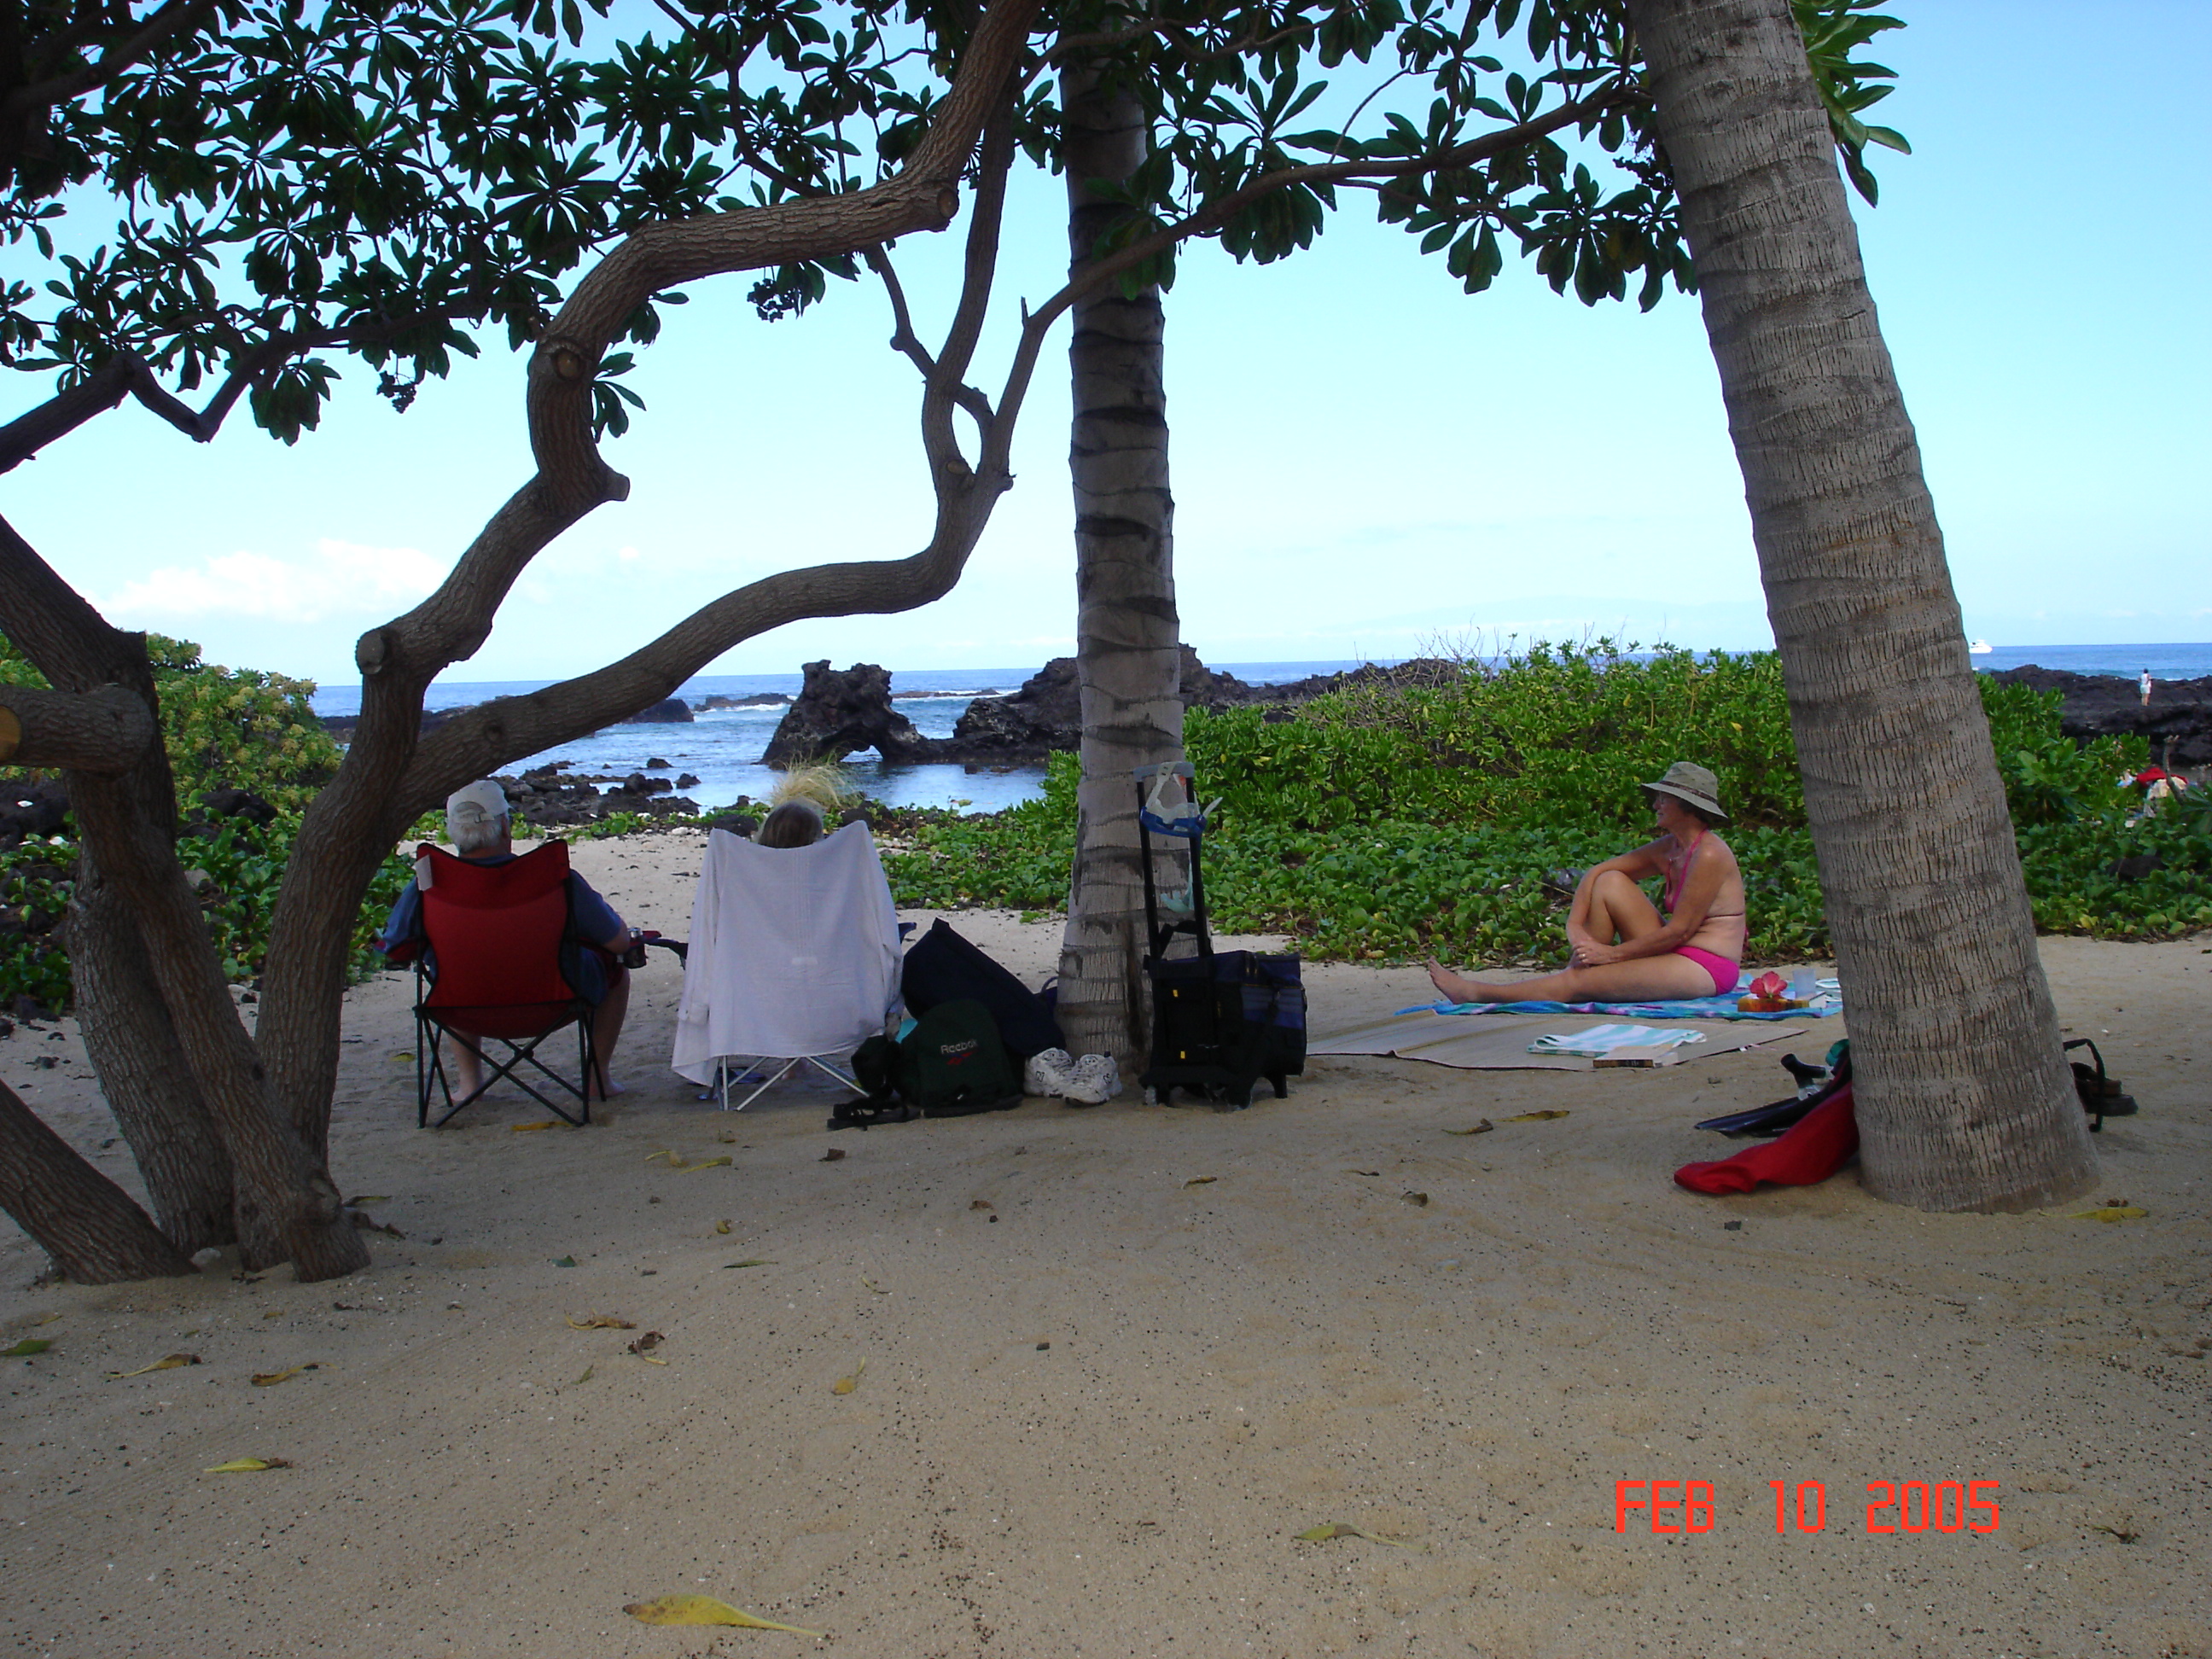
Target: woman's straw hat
{"x": 1687, "y": 781}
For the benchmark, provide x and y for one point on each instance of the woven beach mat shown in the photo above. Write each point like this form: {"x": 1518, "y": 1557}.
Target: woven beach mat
{"x": 1483, "y": 1046}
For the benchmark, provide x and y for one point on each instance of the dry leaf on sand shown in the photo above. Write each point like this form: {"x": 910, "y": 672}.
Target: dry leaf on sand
{"x": 750, "y": 1262}
{"x": 721, "y": 1227}
{"x": 586, "y": 1378}
{"x": 703, "y": 1610}
{"x": 167, "y": 1362}
{"x": 1533, "y": 1118}
{"x": 1347, "y": 1529}
{"x": 676, "y": 1159}
{"x": 644, "y": 1346}
{"x": 2113, "y": 1212}
{"x": 704, "y": 1163}
{"x": 1481, "y": 1128}
{"x": 532, "y": 1128}
{"x": 1201, "y": 1181}
{"x": 270, "y": 1379}
{"x": 834, "y": 1155}
{"x": 979, "y": 1204}
{"x": 27, "y": 1348}
{"x": 870, "y": 1283}
{"x": 601, "y": 1322}
{"x": 1419, "y": 1200}
{"x": 847, "y": 1384}
{"x": 249, "y": 1466}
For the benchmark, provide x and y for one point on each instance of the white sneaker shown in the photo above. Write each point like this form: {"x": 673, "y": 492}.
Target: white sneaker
{"x": 1095, "y": 1081}
{"x": 1048, "y": 1073}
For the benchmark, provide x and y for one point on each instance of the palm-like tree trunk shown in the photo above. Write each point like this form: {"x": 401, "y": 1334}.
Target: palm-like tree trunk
{"x": 1965, "y": 1102}
{"x": 1127, "y": 636}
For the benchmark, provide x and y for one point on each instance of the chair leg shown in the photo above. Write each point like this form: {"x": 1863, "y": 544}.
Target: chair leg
{"x": 723, "y": 1080}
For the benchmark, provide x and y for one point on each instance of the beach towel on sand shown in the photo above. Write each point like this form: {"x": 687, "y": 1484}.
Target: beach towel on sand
{"x": 1717, "y": 1007}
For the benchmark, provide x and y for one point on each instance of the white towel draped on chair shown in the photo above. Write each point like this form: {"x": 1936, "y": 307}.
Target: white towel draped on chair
{"x": 794, "y": 952}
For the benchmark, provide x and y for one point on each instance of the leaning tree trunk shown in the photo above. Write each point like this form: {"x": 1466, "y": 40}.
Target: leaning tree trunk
{"x": 144, "y": 1075}
{"x": 85, "y": 1223}
{"x": 285, "y": 1204}
{"x": 1964, "y": 1101}
{"x": 1128, "y": 641}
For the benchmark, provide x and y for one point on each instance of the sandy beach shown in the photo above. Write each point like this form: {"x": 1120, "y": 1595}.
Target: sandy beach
{"x": 1111, "y": 1362}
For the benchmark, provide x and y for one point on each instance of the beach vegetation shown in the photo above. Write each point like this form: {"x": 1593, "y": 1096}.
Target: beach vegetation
{"x": 1384, "y": 824}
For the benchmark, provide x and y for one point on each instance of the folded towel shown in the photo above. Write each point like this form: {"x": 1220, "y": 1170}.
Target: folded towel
{"x": 1601, "y": 1040}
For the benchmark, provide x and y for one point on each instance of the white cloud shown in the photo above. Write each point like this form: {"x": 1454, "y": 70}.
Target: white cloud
{"x": 339, "y": 580}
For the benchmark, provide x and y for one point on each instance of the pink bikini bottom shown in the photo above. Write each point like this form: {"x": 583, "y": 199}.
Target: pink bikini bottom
{"x": 1723, "y": 972}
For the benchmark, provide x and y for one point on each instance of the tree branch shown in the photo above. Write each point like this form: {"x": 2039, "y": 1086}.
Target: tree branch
{"x": 177, "y": 17}
{"x": 103, "y": 731}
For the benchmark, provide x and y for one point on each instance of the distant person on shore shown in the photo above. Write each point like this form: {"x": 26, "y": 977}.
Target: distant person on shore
{"x": 1621, "y": 949}
{"x": 481, "y": 827}
{"x": 2143, "y": 685}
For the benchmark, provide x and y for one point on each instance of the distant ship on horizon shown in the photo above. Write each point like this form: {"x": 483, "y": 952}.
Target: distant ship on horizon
{"x": 1980, "y": 648}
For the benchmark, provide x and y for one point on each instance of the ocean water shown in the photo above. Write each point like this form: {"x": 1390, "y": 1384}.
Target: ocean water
{"x": 723, "y": 746}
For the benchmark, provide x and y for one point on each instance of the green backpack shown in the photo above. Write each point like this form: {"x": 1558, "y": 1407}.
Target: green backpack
{"x": 953, "y": 1063}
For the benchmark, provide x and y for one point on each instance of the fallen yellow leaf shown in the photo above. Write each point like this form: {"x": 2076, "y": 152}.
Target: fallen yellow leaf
{"x": 270, "y": 1379}
{"x": 601, "y": 1322}
{"x": 871, "y": 1284}
{"x": 249, "y": 1464}
{"x": 359, "y": 1199}
{"x": 674, "y": 1158}
{"x": 1201, "y": 1181}
{"x": 703, "y": 1610}
{"x": 847, "y": 1384}
{"x": 531, "y": 1128}
{"x": 2113, "y": 1212}
{"x": 167, "y": 1362}
{"x": 721, "y": 1227}
{"x": 586, "y": 1376}
{"x": 1481, "y": 1128}
{"x": 704, "y": 1163}
{"x": 1346, "y": 1529}
{"x": 1533, "y": 1118}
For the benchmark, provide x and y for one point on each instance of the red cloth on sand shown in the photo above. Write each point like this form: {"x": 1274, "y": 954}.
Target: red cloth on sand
{"x": 1810, "y": 1152}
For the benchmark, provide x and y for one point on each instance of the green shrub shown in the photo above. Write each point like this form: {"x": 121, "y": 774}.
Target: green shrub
{"x": 223, "y": 728}
{"x": 1394, "y": 823}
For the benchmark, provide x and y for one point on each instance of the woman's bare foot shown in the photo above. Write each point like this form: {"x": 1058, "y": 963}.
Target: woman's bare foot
{"x": 1456, "y": 988}
{"x": 605, "y": 1088}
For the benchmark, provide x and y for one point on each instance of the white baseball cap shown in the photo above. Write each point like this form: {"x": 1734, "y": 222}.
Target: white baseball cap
{"x": 481, "y": 802}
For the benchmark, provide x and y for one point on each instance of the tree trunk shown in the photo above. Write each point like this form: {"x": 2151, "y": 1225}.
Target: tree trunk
{"x": 286, "y": 1206}
{"x": 1127, "y": 638}
{"x": 84, "y": 1221}
{"x": 142, "y": 1071}
{"x": 1965, "y": 1102}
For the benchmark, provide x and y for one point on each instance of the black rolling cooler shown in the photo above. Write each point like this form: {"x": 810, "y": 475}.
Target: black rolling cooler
{"x": 1221, "y": 1019}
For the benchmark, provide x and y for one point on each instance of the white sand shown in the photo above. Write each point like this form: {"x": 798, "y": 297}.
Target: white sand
{"x": 1295, "y": 1343}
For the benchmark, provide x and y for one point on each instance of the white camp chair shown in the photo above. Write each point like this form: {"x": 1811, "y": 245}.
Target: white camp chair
{"x": 794, "y": 960}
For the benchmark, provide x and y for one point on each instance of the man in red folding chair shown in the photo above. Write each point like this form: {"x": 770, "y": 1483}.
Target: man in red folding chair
{"x": 481, "y": 827}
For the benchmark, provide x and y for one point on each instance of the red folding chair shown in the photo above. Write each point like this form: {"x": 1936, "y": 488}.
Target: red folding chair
{"x": 489, "y": 972}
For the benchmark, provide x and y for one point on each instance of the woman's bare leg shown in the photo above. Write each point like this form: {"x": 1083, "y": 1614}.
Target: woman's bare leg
{"x": 1618, "y": 912}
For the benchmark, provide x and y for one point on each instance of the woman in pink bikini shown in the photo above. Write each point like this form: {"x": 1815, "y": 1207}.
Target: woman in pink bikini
{"x": 1621, "y": 950}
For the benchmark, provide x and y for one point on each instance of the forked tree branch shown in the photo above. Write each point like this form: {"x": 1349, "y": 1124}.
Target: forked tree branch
{"x": 178, "y": 17}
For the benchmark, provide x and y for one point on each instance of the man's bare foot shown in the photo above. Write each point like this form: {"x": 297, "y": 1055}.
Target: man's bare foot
{"x": 1456, "y": 988}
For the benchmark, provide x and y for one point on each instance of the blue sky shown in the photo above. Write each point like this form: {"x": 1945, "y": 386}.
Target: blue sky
{"x": 1366, "y": 461}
